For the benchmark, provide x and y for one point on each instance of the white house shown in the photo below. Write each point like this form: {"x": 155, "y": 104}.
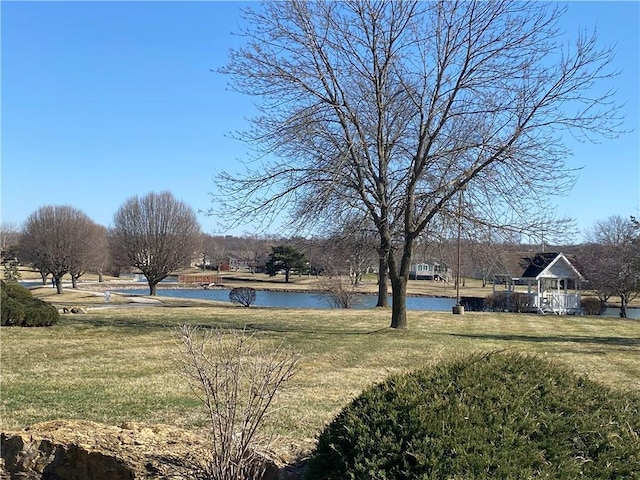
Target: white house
{"x": 429, "y": 271}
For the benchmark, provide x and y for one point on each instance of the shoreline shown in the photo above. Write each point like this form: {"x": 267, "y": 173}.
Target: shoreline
{"x": 258, "y": 285}
{"x": 106, "y": 286}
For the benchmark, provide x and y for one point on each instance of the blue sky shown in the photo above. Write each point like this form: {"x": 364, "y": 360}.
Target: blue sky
{"x": 105, "y": 100}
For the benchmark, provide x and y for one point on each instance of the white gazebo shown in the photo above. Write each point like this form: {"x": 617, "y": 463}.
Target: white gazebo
{"x": 553, "y": 284}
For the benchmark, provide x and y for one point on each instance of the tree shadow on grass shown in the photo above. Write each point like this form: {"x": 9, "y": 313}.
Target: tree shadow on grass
{"x": 145, "y": 324}
{"x": 140, "y": 325}
{"x": 612, "y": 341}
{"x": 270, "y": 327}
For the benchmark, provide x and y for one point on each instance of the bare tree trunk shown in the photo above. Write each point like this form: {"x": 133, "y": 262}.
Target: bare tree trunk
{"x": 399, "y": 275}
{"x": 623, "y": 305}
{"x": 383, "y": 277}
{"x": 44, "y": 277}
{"x": 153, "y": 287}
{"x": 58, "y": 280}
{"x": 398, "y": 306}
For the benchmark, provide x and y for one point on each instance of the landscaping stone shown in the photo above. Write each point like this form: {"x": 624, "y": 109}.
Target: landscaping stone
{"x": 82, "y": 450}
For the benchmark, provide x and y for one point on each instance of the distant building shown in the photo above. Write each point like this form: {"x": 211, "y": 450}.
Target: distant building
{"x": 429, "y": 271}
{"x": 238, "y": 264}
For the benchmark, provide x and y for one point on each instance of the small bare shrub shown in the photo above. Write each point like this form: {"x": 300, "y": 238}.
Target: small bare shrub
{"x": 245, "y": 296}
{"x": 340, "y": 294}
{"x": 593, "y": 306}
{"x": 236, "y": 379}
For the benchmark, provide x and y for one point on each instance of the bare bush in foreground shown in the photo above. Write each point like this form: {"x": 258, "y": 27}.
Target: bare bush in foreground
{"x": 236, "y": 378}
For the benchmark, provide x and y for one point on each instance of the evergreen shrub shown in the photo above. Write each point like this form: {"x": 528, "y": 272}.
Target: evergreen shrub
{"x": 473, "y": 304}
{"x": 499, "y": 415}
{"x": 14, "y": 290}
{"x": 20, "y": 308}
{"x": 12, "y": 311}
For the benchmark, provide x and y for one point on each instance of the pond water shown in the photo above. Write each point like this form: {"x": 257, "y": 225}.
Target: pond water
{"x": 315, "y": 300}
{"x": 310, "y": 300}
{"x": 296, "y": 299}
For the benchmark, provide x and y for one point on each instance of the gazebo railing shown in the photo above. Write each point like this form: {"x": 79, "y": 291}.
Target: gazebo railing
{"x": 559, "y": 303}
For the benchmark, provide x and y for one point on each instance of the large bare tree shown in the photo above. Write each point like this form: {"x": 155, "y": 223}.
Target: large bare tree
{"x": 391, "y": 108}
{"x": 350, "y": 250}
{"x": 215, "y": 251}
{"x": 155, "y": 233}
{"x": 9, "y": 237}
{"x": 96, "y": 256}
{"x": 57, "y": 240}
{"x": 611, "y": 259}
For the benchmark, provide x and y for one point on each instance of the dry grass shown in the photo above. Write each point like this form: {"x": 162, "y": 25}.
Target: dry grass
{"x": 113, "y": 365}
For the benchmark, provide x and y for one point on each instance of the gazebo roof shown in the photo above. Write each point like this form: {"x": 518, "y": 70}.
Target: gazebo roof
{"x": 550, "y": 265}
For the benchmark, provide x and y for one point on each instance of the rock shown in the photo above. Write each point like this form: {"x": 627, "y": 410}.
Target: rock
{"x": 82, "y": 450}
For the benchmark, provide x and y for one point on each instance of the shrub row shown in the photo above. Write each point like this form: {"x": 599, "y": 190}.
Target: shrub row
{"x": 473, "y": 304}
{"x": 20, "y": 308}
{"x": 509, "y": 302}
{"x": 521, "y": 302}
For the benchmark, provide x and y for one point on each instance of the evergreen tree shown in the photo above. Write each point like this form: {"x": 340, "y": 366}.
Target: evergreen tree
{"x": 287, "y": 258}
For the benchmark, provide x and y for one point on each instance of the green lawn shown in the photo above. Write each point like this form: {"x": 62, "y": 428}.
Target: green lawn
{"x": 115, "y": 365}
